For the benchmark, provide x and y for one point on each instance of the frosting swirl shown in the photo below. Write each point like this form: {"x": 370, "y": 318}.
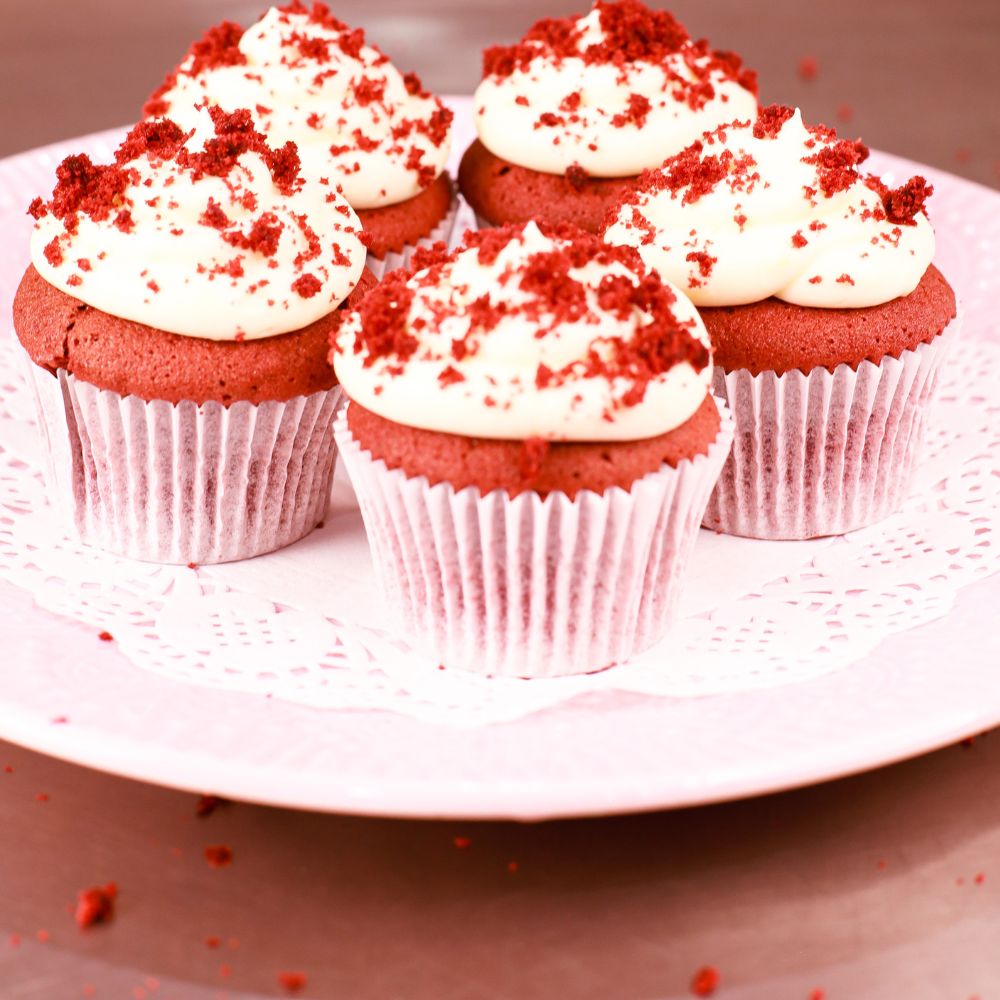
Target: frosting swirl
{"x": 611, "y": 93}
{"x": 309, "y": 78}
{"x": 525, "y": 333}
{"x": 214, "y": 235}
{"x": 772, "y": 207}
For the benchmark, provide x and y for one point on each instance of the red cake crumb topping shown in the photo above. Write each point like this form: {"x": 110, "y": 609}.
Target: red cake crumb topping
{"x": 705, "y": 264}
{"x": 235, "y": 135}
{"x": 219, "y": 856}
{"x": 798, "y": 240}
{"x": 382, "y": 314}
{"x": 577, "y": 177}
{"x": 632, "y": 33}
{"x": 696, "y": 174}
{"x": 207, "y": 804}
{"x": 635, "y": 114}
{"x": 292, "y": 982}
{"x": 96, "y": 905}
{"x": 808, "y": 68}
{"x": 905, "y": 203}
{"x": 307, "y": 285}
{"x": 157, "y": 140}
{"x": 770, "y": 119}
{"x": 368, "y": 91}
{"x": 836, "y": 163}
{"x": 219, "y": 46}
{"x": 705, "y": 981}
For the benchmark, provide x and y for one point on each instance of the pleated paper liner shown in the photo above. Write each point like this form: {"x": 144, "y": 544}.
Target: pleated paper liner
{"x": 824, "y": 453}
{"x": 531, "y": 587}
{"x": 180, "y": 483}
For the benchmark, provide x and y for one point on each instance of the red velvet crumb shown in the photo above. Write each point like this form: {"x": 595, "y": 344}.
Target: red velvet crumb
{"x": 705, "y": 981}
{"x": 292, "y": 982}
{"x": 96, "y": 905}
{"x": 306, "y": 285}
{"x": 770, "y": 119}
{"x": 219, "y": 856}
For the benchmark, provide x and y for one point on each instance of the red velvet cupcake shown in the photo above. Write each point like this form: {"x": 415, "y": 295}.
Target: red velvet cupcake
{"x": 828, "y": 320}
{"x": 571, "y": 114}
{"x": 176, "y": 317}
{"x": 358, "y": 122}
{"x": 532, "y": 442}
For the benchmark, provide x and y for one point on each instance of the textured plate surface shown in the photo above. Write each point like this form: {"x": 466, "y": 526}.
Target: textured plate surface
{"x": 918, "y": 690}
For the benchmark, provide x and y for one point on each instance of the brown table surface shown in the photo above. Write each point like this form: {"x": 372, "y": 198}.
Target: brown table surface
{"x": 863, "y": 888}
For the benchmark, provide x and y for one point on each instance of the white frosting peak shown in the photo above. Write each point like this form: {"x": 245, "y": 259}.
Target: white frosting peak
{"x": 307, "y": 77}
{"x": 773, "y": 208}
{"x": 552, "y": 103}
{"x": 528, "y": 335}
{"x": 213, "y": 234}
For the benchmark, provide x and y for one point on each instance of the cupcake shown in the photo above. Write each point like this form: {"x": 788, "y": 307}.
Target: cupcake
{"x": 571, "y": 114}
{"x": 828, "y": 320}
{"x": 358, "y": 122}
{"x": 176, "y": 317}
{"x": 532, "y": 441}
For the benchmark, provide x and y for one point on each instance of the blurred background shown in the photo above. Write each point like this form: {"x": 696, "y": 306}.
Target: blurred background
{"x": 920, "y": 79}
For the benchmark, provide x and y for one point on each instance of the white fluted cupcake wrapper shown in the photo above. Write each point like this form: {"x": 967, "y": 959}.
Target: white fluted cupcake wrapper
{"x": 443, "y": 231}
{"x": 185, "y": 483}
{"x": 531, "y": 587}
{"x": 827, "y": 452}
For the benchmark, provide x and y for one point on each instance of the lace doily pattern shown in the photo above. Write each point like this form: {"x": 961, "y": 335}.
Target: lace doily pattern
{"x": 305, "y": 624}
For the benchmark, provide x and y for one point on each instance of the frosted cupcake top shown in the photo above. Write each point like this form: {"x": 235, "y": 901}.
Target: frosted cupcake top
{"x": 772, "y": 207}
{"x": 527, "y": 333}
{"x": 309, "y": 78}
{"x": 214, "y": 234}
{"x": 609, "y": 93}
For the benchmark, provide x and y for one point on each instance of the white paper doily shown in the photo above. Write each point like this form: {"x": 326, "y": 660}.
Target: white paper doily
{"x": 304, "y": 626}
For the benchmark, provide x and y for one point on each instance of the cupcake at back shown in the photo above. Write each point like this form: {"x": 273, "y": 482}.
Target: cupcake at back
{"x": 828, "y": 319}
{"x": 568, "y": 116}
{"x": 532, "y": 441}
{"x": 359, "y": 123}
{"x": 176, "y": 316}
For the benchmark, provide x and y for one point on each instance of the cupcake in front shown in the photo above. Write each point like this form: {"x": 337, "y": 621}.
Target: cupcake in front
{"x": 532, "y": 441}
{"x": 175, "y": 318}
{"x": 359, "y": 123}
{"x": 828, "y": 320}
{"x": 571, "y": 114}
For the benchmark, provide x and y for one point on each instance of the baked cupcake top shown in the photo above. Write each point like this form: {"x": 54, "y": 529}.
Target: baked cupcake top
{"x": 772, "y": 207}
{"x": 608, "y": 93}
{"x": 212, "y": 233}
{"x": 309, "y": 78}
{"x": 527, "y": 333}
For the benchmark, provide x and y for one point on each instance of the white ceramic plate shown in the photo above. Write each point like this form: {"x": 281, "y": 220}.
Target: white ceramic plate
{"x": 918, "y": 690}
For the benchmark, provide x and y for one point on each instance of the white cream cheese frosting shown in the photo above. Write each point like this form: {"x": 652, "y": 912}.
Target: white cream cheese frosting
{"x": 214, "y": 234}
{"x": 613, "y": 92}
{"x": 770, "y": 207}
{"x": 309, "y": 78}
{"x": 527, "y": 335}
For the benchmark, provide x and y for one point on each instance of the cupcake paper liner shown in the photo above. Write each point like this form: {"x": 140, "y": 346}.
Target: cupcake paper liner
{"x": 827, "y": 452}
{"x": 393, "y": 260}
{"x": 180, "y": 483}
{"x": 531, "y": 587}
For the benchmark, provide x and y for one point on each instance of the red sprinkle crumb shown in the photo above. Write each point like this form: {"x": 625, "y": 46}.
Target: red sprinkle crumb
{"x": 41, "y": 797}
{"x": 770, "y": 119}
{"x": 845, "y": 113}
{"x": 292, "y": 982}
{"x": 42, "y": 935}
{"x": 845, "y": 279}
{"x": 225, "y": 970}
{"x": 705, "y": 981}
{"x": 808, "y": 68}
{"x": 96, "y": 905}
{"x": 817, "y": 994}
{"x": 307, "y": 285}
{"x": 219, "y": 856}
{"x": 963, "y": 154}
{"x": 512, "y": 866}
{"x": 980, "y": 878}
{"x": 207, "y": 804}
{"x": 798, "y": 240}
{"x": 462, "y": 843}
{"x": 14, "y": 940}
{"x": 105, "y": 637}
{"x": 213, "y": 941}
